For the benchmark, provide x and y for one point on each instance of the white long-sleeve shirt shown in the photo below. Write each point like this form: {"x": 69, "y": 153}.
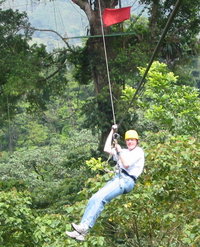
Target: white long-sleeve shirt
{"x": 135, "y": 158}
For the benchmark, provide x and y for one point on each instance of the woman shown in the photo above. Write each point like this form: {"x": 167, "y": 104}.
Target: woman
{"x": 130, "y": 163}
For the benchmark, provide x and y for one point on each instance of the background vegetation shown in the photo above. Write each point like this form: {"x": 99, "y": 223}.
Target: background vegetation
{"x": 52, "y": 124}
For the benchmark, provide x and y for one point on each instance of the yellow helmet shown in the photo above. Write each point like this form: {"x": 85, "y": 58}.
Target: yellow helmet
{"x": 131, "y": 134}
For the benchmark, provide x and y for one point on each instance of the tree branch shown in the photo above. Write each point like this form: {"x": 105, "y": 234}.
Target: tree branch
{"x": 53, "y": 31}
{"x": 86, "y": 7}
{"x": 63, "y": 39}
{"x": 55, "y": 72}
{"x": 80, "y": 3}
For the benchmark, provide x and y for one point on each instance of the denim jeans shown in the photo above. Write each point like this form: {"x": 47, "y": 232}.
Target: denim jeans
{"x": 120, "y": 184}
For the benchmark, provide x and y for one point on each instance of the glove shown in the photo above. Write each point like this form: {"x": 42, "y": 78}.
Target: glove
{"x": 114, "y": 127}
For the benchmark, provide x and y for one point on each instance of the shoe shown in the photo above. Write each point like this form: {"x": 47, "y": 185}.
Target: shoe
{"x": 82, "y": 229}
{"x": 75, "y": 235}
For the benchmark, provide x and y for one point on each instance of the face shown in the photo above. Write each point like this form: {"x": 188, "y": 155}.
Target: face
{"x": 131, "y": 143}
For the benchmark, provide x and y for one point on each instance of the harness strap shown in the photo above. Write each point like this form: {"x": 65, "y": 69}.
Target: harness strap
{"x": 126, "y": 173}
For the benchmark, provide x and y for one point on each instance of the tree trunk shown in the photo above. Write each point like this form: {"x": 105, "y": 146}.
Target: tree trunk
{"x": 155, "y": 15}
{"x": 96, "y": 53}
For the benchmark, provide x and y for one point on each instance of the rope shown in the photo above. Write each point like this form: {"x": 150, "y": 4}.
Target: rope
{"x": 107, "y": 68}
{"x": 142, "y": 82}
{"x": 106, "y": 59}
{"x": 9, "y": 125}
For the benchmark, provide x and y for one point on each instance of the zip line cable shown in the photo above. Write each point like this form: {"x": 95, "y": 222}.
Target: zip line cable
{"x": 106, "y": 59}
{"x": 142, "y": 82}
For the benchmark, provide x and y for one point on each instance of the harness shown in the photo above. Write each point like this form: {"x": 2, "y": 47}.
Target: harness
{"x": 119, "y": 169}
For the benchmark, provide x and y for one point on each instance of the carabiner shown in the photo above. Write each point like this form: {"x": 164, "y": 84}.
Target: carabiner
{"x": 116, "y": 136}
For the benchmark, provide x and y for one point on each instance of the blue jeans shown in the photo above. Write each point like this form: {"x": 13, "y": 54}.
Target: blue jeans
{"x": 117, "y": 186}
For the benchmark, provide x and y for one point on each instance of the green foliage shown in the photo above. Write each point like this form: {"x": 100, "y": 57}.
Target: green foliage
{"x": 20, "y": 63}
{"x": 135, "y": 51}
{"x": 21, "y": 228}
{"x": 127, "y": 93}
{"x": 33, "y": 165}
{"x": 57, "y": 124}
{"x": 125, "y": 53}
{"x": 163, "y": 204}
{"x": 166, "y": 104}
{"x": 47, "y": 172}
{"x": 162, "y": 209}
{"x": 37, "y": 134}
{"x": 55, "y": 159}
{"x": 28, "y": 72}
{"x": 98, "y": 112}
{"x": 95, "y": 164}
{"x": 183, "y": 34}
{"x": 16, "y": 219}
{"x": 81, "y": 59}
{"x": 49, "y": 231}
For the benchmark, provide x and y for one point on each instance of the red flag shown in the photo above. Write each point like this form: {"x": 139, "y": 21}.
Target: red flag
{"x": 113, "y": 16}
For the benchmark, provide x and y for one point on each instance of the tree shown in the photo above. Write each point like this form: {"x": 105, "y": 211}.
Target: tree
{"x": 166, "y": 104}
{"x": 92, "y": 55}
{"x": 89, "y": 60}
{"x": 28, "y": 73}
{"x": 89, "y": 64}
{"x": 181, "y": 40}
